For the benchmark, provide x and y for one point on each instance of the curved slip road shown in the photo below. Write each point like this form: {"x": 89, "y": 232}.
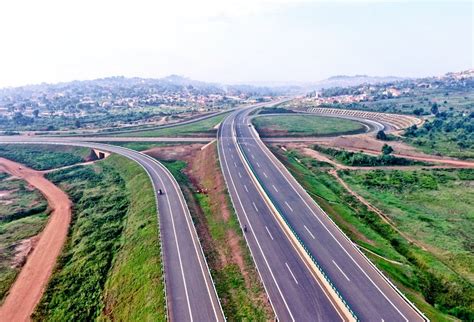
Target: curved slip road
{"x": 294, "y": 292}
{"x": 190, "y": 291}
{"x": 368, "y": 293}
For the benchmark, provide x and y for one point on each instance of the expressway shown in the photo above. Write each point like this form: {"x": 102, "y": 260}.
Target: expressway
{"x": 366, "y": 291}
{"x": 190, "y": 291}
{"x": 294, "y": 292}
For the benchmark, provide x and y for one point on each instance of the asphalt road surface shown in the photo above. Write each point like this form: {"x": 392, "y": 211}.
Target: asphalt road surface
{"x": 295, "y": 294}
{"x": 190, "y": 291}
{"x": 363, "y": 287}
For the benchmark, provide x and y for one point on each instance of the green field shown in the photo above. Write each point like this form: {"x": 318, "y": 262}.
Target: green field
{"x": 200, "y": 128}
{"x": 43, "y": 157}
{"x": 23, "y": 214}
{"x": 304, "y": 125}
{"x": 426, "y": 279}
{"x": 430, "y": 206}
{"x": 110, "y": 266}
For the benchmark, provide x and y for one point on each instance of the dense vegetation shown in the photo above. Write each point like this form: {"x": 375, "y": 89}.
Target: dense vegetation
{"x": 449, "y": 133}
{"x": 425, "y": 279}
{"x": 43, "y": 157}
{"x": 112, "y": 245}
{"x": 359, "y": 159}
{"x": 23, "y": 214}
{"x": 304, "y": 125}
{"x": 274, "y": 110}
{"x": 241, "y": 297}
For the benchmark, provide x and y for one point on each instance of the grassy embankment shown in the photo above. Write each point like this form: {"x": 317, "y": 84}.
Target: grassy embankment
{"x": 44, "y": 157}
{"x": 304, "y": 125}
{"x": 110, "y": 267}
{"x": 201, "y": 128}
{"x": 232, "y": 268}
{"x": 426, "y": 279}
{"x": 23, "y": 214}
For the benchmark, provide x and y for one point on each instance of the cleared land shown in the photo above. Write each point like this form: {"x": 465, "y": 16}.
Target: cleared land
{"x": 110, "y": 266}
{"x": 23, "y": 214}
{"x": 201, "y": 128}
{"x": 304, "y": 125}
{"x": 29, "y": 286}
{"x": 424, "y": 277}
{"x": 237, "y": 282}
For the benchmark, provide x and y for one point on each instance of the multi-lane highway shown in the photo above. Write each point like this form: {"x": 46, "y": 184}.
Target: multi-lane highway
{"x": 294, "y": 292}
{"x": 288, "y": 234}
{"x": 367, "y": 292}
{"x": 190, "y": 291}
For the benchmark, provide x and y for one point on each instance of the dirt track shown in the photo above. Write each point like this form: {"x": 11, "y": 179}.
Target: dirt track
{"x": 30, "y": 284}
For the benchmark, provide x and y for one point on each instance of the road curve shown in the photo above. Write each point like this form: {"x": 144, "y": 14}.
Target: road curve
{"x": 368, "y": 293}
{"x": 190, "y": 292}
{"x": 294, "y": 292}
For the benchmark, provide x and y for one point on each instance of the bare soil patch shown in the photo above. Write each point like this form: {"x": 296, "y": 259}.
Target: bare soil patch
{"x": 30, "y": 284}
{"x": 175, "y": 152}
{"x": 368, "y": 144}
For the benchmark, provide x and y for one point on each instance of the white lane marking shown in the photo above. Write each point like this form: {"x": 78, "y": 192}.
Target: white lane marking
{"x": 177, "y": 244}
{"x": 347, "y": 278}
{"x": 291, "y": 272}
{"x": 257, "y": 242}
{"x": 274, "y": 188}
{"x": 258, "y": 164}
{"x": 286, "y": 203}
{"x": 245, "y": 187}
{"x": 240, "y": 175}
{"x": 193, "y": 236}
{"x": 232, "y": 156}
{"x": 309, "y": 232}
{"x": 265, "y": 175}
{"x": 253, "y": 157}
{"x": 327, "y": 229}
{"x": 255, "y": 206}
{"x": 268, "y": 231}
{"x": 235, "y": 164}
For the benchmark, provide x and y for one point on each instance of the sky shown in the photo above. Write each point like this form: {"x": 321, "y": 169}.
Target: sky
{"x": 232, "y": 41}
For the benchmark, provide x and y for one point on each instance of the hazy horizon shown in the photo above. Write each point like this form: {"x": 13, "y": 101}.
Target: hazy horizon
{"x": 232, "y": 42}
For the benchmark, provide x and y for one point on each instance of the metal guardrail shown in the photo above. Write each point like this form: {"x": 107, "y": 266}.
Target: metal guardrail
{"x": 321, "y": 270}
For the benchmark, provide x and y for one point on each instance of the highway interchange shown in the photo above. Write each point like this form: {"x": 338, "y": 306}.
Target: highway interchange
{"x": 367, "y": 293}
{"x": 311, "y": 271}
{"x": 190, "y": 292}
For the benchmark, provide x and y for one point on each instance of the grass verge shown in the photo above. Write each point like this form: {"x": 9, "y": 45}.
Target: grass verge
{"x": 425, "y": 280}
{"x": 199, "y": 128}
{"x": 237, "y": 282}
{"x": 110, "y": 265}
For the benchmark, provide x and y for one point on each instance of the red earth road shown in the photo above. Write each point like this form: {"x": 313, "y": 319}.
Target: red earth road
{"x": 30, "y": 284}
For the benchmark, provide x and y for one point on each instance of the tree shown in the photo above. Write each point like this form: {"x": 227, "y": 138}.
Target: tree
{"x": 36, "y": 113}
{"x": 387, "y": 149}
{"x": 434, "y": 109}
{"x": 418, "y": 111}
{"x": 381, "y": 135}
